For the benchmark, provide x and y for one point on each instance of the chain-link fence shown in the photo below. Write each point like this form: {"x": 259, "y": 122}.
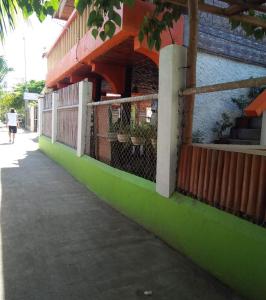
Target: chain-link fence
{"x": 124, "y": 135}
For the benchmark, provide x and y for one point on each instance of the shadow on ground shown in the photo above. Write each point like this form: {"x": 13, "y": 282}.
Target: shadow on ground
{"x": 59, "y": 241}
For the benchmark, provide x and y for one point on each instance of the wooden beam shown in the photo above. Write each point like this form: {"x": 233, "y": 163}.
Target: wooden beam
{"x": 191, "y": 71}
{"x": 236, "y": 9}
{"x": 238, "y": 6}
{"x": 248, "y": 83}
{"x": 258, "y": 22}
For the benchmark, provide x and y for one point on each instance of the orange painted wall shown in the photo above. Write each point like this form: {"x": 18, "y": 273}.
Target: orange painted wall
{"x": 88, "y": 49}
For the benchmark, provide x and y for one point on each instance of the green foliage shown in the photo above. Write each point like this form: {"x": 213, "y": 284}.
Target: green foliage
{"x": 163, "y": 18}
{"x": 222, "y": 125}
{"x": 10, "y": 8}
{"x": 32, "y": 86}
{"x": 104, "y": 17}
{"x": 241, "y": 102}
{"x": 255, "y": 91}
{"x": 138, "y": 130}
{"x": 4, "y": 69}
{"x": 15, "y": 100}
{"x": 152, "y": 131}
{"x": 197, "y": 137}
{"x": 113, "y": 126}
{"x": 11, "y": 100}
{"x": 123, "y": 128}
{"x": 251, "y": 30}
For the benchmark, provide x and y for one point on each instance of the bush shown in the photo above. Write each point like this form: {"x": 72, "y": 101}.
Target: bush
{"x": 197, "y": 137}
{"x": 222, "y": 125}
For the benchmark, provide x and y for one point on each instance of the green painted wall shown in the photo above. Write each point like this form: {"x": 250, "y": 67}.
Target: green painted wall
{"x": 230, "y": 248}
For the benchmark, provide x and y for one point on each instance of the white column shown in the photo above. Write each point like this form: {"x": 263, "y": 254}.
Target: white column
{"x": 54, "y": 116}
{"x": 85, "y": 96}
{"x": 263, "y": 130}
{"x": 171, "y": 78}
{"x": 40, "y": 108}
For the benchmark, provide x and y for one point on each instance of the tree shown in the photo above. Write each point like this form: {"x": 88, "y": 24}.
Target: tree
{"x": 11, "y": 100}
{"x": 32, "y": 86}
{"x": 103, "y": 17}
{"x": 9, "y": 9}
{"x": 4, "y": 69}
{"x": 15, "y": 99}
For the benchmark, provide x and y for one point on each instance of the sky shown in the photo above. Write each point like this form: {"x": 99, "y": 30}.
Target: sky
{"x": 39, "y": 37}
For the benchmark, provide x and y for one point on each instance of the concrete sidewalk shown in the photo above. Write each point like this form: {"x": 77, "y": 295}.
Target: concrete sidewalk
{"x": 59, "y": 241}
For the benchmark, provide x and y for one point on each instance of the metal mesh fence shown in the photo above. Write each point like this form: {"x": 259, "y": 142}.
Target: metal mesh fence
{"x": 125, "y": 136}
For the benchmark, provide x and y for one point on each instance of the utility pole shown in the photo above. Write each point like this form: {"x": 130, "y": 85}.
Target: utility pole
{"x": 25, "y": 82}
{"x": 25, "y": 61}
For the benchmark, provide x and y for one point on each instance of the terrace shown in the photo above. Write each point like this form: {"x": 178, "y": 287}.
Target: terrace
{"x": 76, "y": 55}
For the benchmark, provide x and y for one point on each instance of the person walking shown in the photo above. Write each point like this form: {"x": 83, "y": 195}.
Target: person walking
{"x": 12, "y": 123}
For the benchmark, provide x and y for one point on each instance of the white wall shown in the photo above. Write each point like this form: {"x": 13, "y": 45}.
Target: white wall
{"x": 209, "y": 107}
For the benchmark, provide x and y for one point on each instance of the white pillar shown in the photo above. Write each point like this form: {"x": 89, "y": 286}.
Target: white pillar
{"x": 40, "y": 109}
{"x": 171, "y": 78}
{"x": 54, "y": 116}
{"x": 85, "y": 96}
{"x": 263, "y": 130}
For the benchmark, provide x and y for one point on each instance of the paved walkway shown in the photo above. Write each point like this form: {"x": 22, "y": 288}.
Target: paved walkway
{"x": 59, "y": 241}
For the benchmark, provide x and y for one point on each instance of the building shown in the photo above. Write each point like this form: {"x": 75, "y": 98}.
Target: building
{"x": 224, "y": 186}
{"x": 224, "y": 55}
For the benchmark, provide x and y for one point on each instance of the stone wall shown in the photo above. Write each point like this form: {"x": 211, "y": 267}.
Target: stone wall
{"x": 209, "y": 107}
{"x": 217, "y": 37}
{"x": 145, "y": 77}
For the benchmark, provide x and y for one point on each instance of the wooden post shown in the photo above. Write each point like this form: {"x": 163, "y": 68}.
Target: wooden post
{"x": 85, "y": 96}
{"x": 263, "y": 130}
{"x": 191, "y": 74}
{"x": 54, "y": 116}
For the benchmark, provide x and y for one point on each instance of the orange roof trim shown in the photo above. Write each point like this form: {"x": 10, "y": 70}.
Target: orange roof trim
{"x": 257, "y": 107}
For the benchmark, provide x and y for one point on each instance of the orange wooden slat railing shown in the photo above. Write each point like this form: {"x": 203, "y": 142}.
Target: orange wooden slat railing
{"x": 232, "y": 179}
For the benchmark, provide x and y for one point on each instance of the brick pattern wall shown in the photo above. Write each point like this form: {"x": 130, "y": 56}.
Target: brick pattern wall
{"x": 106, "y": 87}
{"x": 145, "y": 77}
{"x": 216, "y": 37}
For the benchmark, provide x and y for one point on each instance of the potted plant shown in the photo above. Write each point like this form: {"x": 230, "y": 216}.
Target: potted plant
{"x": 241, "y": 102}
{"x": 221, "y": 127}
{"x": 197, "y": 137}
{"x": 153, "y": 135}
{"x": 112, "y": 133}
{"x": 123, "y": 133}
{"x": 137, "y": 133}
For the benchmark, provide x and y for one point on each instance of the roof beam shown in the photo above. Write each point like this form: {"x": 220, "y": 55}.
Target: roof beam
{"x": 236, "y": 9}
{"x": 238, "y": 6}
{"x": 258, "y": 22}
